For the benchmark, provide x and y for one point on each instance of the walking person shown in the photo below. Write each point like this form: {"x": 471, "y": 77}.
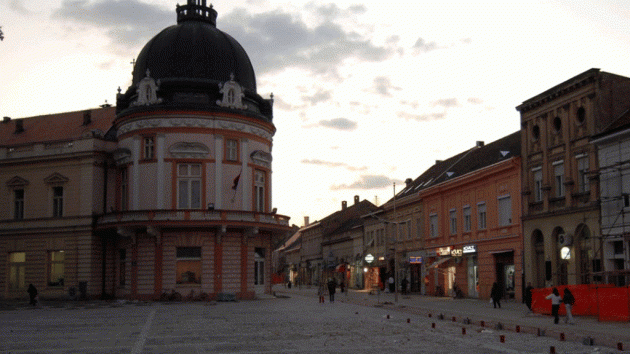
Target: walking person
{"x": 569, "y": 300}
{"x": 32, "y": 294}
{"x": 528, "y": 297}
{"x": 332, "y": 287}
{"x": 556, "y": 300}
{"x": 392, "y": 286}
{"x": 321, "y": 292}
{"x": 496, "y": 294}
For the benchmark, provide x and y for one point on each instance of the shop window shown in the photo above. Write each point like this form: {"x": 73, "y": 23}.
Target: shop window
{"x": 481, "y": 216}
{"x": 17, "y": 270}
{"x": 56, "y": 268}
{"x": 188, "y": 186}
{"x": 467, "y": 219}
{"x": 57, "y": 202}
{"x": 188, "y": 265}
{"x": 18, "y": 204}
{"x": 505, "y": 211}
{"x": 453, "y": 219}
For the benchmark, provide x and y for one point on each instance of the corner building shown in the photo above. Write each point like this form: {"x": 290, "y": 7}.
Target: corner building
{"x": 187, "y": 186}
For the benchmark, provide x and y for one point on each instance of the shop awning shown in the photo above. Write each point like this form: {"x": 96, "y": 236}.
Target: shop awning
{"x": 501, "y": 251}
{"x": 439, "y": 261}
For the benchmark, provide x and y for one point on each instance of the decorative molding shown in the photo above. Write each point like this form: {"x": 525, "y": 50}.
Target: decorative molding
{"x": 186, "y": 150}
{"x": 262, "y": 158}
{"x": 122, "y": 156}
{"x": 190, "y": 122}
{"x": 16, "y": 182}
{"x": 147, "y": 91}
{"x": 232, "y": 94}
{"x": 56, "y": 178}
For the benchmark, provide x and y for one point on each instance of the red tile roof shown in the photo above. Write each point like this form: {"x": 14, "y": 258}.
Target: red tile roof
{"x": 55, "y": 127}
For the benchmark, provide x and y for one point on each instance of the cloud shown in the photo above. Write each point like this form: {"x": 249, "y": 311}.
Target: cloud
{"x": 339, "y": 124}
{"x": 421, "y": 46}
{"x": 425, "y": 117}
{"x": 333, "y": 164}
{"x": 382, "y": 86}
{"x": 18, "y": 6}
{"x": 446, "y": 102}
{"x": 128, "y": 23}
{"x": 475, "y": 100}
{"x": 367, "y": 182}
{"x": 319, "y": 96}
{"x": 280, "y": 40}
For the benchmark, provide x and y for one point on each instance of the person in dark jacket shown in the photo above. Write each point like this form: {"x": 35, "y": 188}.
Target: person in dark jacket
{"x": 496, "y": 294}
{"x": 332, "y": 287}
{"x": 568, "y": 301}
{"x": 32, "y": 294}
{"x": 528, "y": 296}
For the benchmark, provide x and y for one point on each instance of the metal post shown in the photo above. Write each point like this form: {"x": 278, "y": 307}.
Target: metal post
{"x": 395, "y": 248}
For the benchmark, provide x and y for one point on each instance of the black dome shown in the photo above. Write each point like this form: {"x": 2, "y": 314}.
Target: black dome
{"x": 195, "y": 49}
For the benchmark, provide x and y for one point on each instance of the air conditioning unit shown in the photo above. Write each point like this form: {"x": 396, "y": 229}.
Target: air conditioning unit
{"x": 565, "y": 240}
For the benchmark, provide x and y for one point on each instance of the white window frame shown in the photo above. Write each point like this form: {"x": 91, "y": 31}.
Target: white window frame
{"x": 231, "y": 149}
{"x": 433, "y": 225}
{"x": 18, "y": 203}
{"x": 57, "y": 201}
{"x": 189, "y": 183}
{"x": 482, "y": 216}
{"x": 260, "y": 180}
{"x": 582, "y": 170}
{"x": 149, "y": 147}
{"x": 538, "y": 181}
{"x": 467, "y": 211}
{"x": 452, "y": 215}
{"x": 559, "y": 176}
{"x": 17, "y": 270}
{"x": 504, "y": 210}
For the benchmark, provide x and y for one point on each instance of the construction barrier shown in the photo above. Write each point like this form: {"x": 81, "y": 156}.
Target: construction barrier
{"x": 607, "y": 302}
{"x": 614, "y": 304}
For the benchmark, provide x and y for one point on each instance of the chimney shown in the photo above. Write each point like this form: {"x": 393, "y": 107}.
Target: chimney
{"x": 87, "y": 117}
{"x": 6, "y": 119}
{"x": 408, "y": 182}
{"x": 479, "y": 144}
{"x": 19, "y": 126}
{"x": 306, "y": 221}
{"x": 356, "y": 199}
{"x": 344, "y": 205}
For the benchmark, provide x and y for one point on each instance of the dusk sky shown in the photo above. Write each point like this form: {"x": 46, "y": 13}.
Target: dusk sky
{"x": 366, "y": 93}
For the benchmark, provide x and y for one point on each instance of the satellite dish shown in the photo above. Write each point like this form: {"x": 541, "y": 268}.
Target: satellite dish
{"x": 565, "y": 240}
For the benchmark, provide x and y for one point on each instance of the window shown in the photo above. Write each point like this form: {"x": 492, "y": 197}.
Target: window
{"x": 259, "y": 191}
{"x": 433, "y": 221}
{"x": 557, "y": 124}
{"x": 626, "y": 200}
{"x": 419, "y": 228}
{"x": 188, "y": 265}
{"x": 122, "y": 267}
{"x": 453, "y": 218}
{"x": 57, "y": 202}
{"x": 537, "y": 174}
{"x": 558, "y": 171}
{"x": 231, "y": 150}
{"x": 505, "y": 211}
{"x": 535, "y": 132}
{"x": 124, "y": 189}
{"x": 582, "y": 166}
{"x": 481, "y": 214}
{"x": 467, "y": 219}
{"x": 581, "y": 115}
{"x": 188, "y": 186}
{"x": 55, "y": 268}
{"x": 17, "y": 270}
{"x": 18, "y": 204}
{"x": 149, "y": 148}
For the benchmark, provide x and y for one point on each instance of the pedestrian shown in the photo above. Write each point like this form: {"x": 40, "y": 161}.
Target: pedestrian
{"x": 392, "y": 285}
{"x": 32, "y": 294}
{"x": 332, "y": 287}
{"x": 555, "y": 304}
{"x": 403, "y": 286}
{"x": 321, "y": 292}
{"x": 528, "y": 296}
{"x": 496, "y": 294}
{"x": 342, "y": 286}
{"x": 569, "y": 300}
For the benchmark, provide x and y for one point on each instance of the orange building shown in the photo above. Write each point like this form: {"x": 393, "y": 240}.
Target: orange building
{"x": 468, "y": 215}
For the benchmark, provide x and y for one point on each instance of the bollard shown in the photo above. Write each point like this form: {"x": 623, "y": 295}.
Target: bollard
{"x": 388, "y": 316}
{"x": 483, "y": 324}
{"x": 429, "y": 315}
{"x": 409, "y": 320}
{"x": 454, "y": 319}
{"x": 463, "y": 330}
{"x": 561, "y": 337}
{"x": 620, "y": 346}
{"x": 552, "y": 350}
{"x": 518, "y": 329}
{"x": 502, "y": 338}
{"x": 433, "y": 325}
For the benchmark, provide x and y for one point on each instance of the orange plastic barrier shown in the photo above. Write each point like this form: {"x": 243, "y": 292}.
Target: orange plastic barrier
{"x": 614, "y": 304}
{"x": 587, "y": 300}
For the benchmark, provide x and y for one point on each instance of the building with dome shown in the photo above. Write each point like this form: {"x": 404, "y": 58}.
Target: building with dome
{"x": 168, "y": 191}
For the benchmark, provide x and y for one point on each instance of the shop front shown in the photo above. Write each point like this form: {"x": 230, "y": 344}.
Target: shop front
{"x": 469, "y": 252}
{"x": 416, "y": 273}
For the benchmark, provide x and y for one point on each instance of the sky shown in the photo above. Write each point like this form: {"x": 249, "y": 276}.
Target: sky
{"x": 367, "y": 93}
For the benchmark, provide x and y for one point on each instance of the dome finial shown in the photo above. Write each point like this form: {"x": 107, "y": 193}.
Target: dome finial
{"x": 196, "y": 10}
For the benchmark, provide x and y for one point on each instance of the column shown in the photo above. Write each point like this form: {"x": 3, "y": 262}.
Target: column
{"x": 218, "y": 175}
{"x": 159, "y": 150}
{"x": 135, "y": 174}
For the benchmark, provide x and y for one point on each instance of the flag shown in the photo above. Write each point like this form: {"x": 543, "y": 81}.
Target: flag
{"x": 236, "y": 179}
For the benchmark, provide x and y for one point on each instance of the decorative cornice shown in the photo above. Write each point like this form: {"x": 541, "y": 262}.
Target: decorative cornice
{"x": 186, "y": 150}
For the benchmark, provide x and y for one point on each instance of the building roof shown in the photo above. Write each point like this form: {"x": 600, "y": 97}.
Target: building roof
{"x": 57, "y": 127}
{"x": 293, "y": 242}
{"x": 619, "y": 124}
{"x": 465, "y": 162}
{"x": 348, "y": 218}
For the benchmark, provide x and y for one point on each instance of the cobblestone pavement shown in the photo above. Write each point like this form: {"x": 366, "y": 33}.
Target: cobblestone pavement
{"x": 293, "y": 323}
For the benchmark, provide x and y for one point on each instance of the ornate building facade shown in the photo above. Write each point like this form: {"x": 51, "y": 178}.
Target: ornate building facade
{"x": 176, "y": 195}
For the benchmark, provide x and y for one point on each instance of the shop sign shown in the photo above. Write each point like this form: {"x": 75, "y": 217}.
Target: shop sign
{"x": 415, "y": 260}
{"x": 457, "y": 252}
{"x": 369, "y": 258}
{"x": 470, "y": 249}
{"x": 443, "y": 251}
{"x": 430, "y": 253}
